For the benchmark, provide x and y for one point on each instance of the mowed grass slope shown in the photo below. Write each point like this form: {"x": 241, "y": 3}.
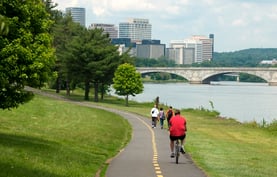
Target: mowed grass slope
{"x": 226, "y": 148}
{"x": 53, "y": 138}
{"x": 47, "y": 137}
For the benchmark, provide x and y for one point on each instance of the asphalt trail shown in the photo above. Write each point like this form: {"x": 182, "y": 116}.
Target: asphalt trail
{"x": 147, "y": 154}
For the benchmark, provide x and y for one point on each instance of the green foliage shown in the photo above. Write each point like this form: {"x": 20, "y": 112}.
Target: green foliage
{"x": 245, "y": 58}
{"x": 150, "y": 62}
{"x": 64, "y": 30}
{"x": 92, "y": 59}
{"x": 26, "y": 53}
{"x": 272, "y": 127}
{"x": 243, "y": 77}
{"x": 4, "y": 28}
{"x": 203, "y": 112}
{"x": 127, "y": 81}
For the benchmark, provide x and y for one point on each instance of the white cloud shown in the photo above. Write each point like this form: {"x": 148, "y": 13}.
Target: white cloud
{"x": 239, "y": 22}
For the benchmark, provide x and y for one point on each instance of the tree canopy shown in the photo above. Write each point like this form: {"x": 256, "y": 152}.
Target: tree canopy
{"x": 127, "y": 81}
{"x": 4, "y": 28}
{"x": 26, "y": 53}
{"x": 93, "y": 59}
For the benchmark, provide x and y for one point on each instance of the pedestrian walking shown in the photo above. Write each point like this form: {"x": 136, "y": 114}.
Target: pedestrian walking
{"x": 154, "y": 116}
{"x": 161, "y": 117}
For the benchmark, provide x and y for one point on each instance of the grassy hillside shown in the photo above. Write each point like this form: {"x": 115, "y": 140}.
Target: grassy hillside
{"x": 51, "y": 138}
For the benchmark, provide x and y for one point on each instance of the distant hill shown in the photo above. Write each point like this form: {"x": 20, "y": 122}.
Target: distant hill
{"x": 248, "y": 57}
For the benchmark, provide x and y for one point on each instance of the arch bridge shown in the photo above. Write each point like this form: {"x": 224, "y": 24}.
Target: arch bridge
{"x": 203, "y": 75}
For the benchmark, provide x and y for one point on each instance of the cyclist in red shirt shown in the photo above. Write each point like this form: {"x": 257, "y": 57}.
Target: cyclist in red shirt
{"x": 177, "y": 129}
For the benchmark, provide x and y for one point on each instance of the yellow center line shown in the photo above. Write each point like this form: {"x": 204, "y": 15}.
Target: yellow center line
{"x": 155, "y": 152}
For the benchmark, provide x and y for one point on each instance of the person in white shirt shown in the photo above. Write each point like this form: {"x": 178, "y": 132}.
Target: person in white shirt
{"x": 154, "y": 115}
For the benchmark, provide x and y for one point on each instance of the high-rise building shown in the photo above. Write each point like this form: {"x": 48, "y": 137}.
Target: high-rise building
{"x": 207, "y": 46}
{"x": 184, "y": 44}
{"x": 202, "y": 45}
{"x": 136, "y": 29}
{"x": 78, "y": 14}
{"x": 211, "y": 36}
{"x": 108, "y": 28}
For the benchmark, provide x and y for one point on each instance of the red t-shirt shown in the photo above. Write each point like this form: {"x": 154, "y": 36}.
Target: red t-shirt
{"x": 177, "y": 125}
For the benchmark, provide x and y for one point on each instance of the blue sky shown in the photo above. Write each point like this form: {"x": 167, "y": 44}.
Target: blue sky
{"x": 236, "y": 24}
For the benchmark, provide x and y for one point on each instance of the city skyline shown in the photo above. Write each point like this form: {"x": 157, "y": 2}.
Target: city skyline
{"x": 236, "y": 25}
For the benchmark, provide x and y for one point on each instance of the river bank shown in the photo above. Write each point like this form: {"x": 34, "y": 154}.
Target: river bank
{"x": 245, "y": 102}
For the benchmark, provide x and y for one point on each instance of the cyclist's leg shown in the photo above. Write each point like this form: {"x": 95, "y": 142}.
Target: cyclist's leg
{"x": 182, "y": 143}
{"x": 171, "y": 145}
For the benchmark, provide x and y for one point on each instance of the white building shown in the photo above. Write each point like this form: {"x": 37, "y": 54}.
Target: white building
{"x": 269, "y": 62}
{"x": 111, "y": 29}
{"x": 182, "y": 49}
{"x": 136, "y": 29}
{"x": 207, "y": 47}
{"x": 78, "y": 14}
{"x": 181, "y": 55}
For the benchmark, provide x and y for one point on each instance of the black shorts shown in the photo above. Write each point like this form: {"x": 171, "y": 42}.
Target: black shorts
{"x": 173, "y": 138}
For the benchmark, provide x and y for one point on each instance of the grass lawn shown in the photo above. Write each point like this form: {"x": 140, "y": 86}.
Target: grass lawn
{"x": 50, "y": 138}
{"x": 227, "y": 148}
{"x": 47, "y": 137}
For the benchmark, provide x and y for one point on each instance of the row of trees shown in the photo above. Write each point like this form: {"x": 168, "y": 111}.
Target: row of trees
{"x": 41, "y": 44}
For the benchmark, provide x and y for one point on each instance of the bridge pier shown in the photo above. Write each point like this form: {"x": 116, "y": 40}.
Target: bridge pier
{"x": 272, "y": 83}
{"x": 195, "y": 82}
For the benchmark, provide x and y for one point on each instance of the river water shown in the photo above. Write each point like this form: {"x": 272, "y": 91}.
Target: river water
{"x": 244, "y": 102}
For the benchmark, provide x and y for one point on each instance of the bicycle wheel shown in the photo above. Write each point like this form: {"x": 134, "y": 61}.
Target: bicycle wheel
{"x": 177, "y": 151}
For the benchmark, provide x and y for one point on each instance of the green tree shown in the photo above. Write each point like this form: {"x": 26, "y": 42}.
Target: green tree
{"x": 64, "y": 31}
{"x": 127, "y": 81}
{"x": 26, "y": 53}
{"x": 4, "y": 28}
{"x": 93, "y": 59}
{"x": 108, "y": 78}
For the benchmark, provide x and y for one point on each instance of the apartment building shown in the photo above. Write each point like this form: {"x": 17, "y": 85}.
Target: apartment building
{"x": 110, "y": 29}
{"x": 136, "y": 29}
{"x": 195, "y": 49}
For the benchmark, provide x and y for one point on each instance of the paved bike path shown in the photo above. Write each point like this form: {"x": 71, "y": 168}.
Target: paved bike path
{"x": 147, "y": 154}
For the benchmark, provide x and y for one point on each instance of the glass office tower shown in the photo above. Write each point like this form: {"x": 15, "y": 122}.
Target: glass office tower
{"x": 78, "y": 14}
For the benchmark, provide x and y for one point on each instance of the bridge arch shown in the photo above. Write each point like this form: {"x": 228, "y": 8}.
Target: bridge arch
{"x": 198, "y": 75}
{"x": 161, "y": 71}
{"x": 207, "y": 78}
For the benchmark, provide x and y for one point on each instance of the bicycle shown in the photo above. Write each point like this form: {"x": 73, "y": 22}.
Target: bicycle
{"x": 177, "y": 150}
